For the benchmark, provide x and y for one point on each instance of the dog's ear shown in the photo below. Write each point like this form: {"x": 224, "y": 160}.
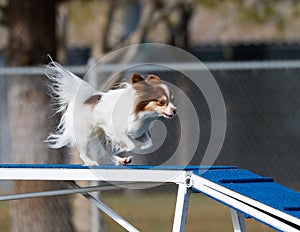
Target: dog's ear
{"x": 153, "y": 79}
{"x": 135, "y": 78}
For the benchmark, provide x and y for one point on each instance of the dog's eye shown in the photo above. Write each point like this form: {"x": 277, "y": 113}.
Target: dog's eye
{"x": 162, "y": 102}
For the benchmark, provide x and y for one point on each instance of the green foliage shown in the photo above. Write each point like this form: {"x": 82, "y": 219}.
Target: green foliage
{"x": 209, "y": 3}
{"x": 260, "y": 12}
{"x": 257, "y": 11}
{"x": 296, "y": 9}
{"x": 81, "y": 12}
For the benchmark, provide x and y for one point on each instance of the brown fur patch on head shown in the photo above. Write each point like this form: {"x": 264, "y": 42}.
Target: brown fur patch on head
{"x": 149, "y": 90}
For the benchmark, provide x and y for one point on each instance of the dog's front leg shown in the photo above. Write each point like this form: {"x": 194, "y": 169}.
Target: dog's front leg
{"x": 144, "y": 143}
{"x": 125, "y": 145}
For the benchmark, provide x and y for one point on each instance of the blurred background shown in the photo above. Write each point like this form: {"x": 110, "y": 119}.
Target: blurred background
{"x": 252, "y": 48}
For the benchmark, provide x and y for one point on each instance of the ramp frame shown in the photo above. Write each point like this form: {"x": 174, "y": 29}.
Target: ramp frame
{"x": 188, "y": 179}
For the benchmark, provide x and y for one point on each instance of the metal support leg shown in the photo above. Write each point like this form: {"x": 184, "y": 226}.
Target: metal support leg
{"x": 238, "y": 221}
{"x": 181, "y": 208}
{"x": 104, "y": 208}
{"x": 95, "y": 213}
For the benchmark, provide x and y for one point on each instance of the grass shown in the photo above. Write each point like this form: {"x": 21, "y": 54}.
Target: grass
{"x": 154, "y": 212}
{"x": 4, "y": 216}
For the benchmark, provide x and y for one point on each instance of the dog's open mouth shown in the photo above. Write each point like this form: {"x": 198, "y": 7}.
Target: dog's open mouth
{"x": 167, "y": 115}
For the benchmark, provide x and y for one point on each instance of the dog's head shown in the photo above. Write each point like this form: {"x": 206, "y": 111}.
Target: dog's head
{"x": 154, "y": 98}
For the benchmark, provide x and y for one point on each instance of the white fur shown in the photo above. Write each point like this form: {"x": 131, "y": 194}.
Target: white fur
{"x": 81, "y": 124}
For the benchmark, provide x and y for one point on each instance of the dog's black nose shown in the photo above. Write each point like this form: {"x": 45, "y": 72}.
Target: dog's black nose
{"x": 174, "y": 111}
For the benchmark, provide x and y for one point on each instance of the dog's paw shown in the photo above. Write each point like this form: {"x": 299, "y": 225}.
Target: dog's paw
{"x": 127, "y": 160}
{"x": 123, "y": 161}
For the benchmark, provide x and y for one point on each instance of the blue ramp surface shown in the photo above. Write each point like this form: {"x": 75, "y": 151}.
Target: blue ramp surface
{"x": 262, "y": 189}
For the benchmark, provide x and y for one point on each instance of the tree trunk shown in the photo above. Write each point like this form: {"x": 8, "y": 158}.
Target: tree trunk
{"x": 32, "y": 37}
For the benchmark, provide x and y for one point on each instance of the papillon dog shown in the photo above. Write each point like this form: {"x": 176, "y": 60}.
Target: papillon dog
{"x": 119, "y": 119}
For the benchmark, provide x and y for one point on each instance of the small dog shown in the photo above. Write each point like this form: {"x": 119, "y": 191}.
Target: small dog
{"x": 119, "y": 120}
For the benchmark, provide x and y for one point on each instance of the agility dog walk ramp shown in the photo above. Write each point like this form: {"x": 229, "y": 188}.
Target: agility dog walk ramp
{"x": 245, "y": 193}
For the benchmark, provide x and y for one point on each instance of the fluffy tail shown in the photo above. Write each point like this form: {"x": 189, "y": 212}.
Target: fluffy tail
{"x": 66, "y": 87}
{"x": 67, "y": 90}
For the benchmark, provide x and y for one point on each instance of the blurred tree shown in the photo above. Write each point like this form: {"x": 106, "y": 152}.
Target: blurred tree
{"x": 31, "y": 37}
{"x": 175, "y": 15}
{"x": 3, "y": 15}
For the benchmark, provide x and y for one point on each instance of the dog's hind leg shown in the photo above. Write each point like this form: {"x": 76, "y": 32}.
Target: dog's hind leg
{"x": 86, "y": 160}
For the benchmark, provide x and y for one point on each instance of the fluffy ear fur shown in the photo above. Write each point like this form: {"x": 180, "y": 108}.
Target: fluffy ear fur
{"x": 135, "y": 78}
{"x": 153, "y": 79}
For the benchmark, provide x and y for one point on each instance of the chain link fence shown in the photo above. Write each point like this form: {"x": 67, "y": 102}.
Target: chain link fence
{"x": 262, "y": 102}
